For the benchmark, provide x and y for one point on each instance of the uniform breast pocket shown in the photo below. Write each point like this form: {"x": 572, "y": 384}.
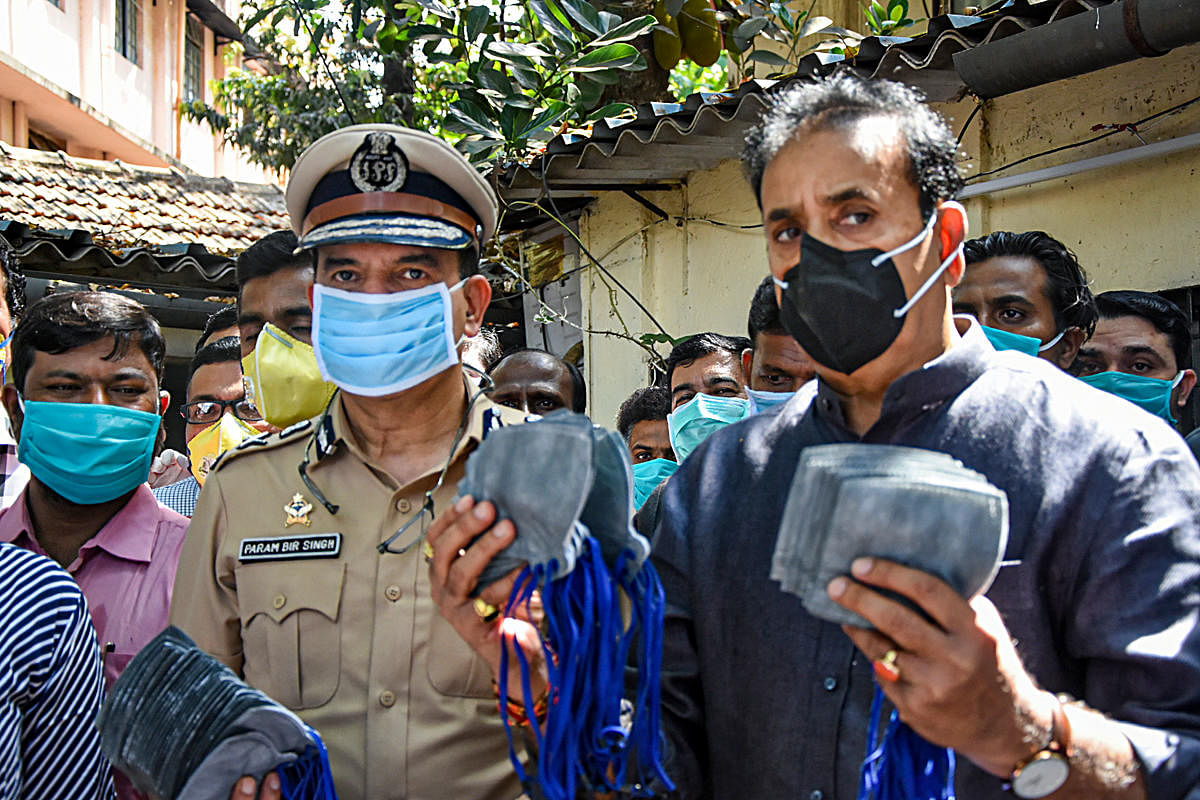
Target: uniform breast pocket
{"x": 291, "y": 640}
{"x": 454, "y": 668}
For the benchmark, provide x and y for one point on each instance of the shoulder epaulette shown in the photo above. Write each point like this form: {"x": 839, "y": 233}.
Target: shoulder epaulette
{"x": 263, "y": 442}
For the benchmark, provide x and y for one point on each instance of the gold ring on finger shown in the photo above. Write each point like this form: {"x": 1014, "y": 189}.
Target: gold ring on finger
{"x": 486, "y": 611}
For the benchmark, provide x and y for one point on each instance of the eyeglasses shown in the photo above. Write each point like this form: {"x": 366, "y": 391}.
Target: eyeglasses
{"x": 204, "y": 411}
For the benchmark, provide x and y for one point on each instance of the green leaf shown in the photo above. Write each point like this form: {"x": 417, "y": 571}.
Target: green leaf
{"x": 511, "y": 49}
{"x": 495, "y": 80}
{"x": 436, "y": 7}
{"x": 613, "y": 56}
{"x": 624, "y": 32}
{"x": 608, "y": 21}
{"x": 472, "y": 118}
{"x": 477, "y": 21}
{"x": 750, "y": 28}
{"x": 557, "y": 27}
{"x": 610, "y": 110}
{"x": 814, "y": 25}
{"x": 584, "y": 15}
{"x": 512, "y": 121}
{"x": 262, "y": 14}
{"x": 554, "y": 112}
{"x": 897, "y": 13}
{"x": 768, "y": 58}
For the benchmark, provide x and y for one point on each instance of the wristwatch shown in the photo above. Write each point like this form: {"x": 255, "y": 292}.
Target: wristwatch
{"x": 1044, "y": 772}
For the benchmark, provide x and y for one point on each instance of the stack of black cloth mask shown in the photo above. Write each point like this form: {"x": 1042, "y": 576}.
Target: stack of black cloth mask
{"x": 919, "y": 508}
{"x": 182, "y": 726}
{"x": 916, "y": 507}
{"x": 567, "y": 486}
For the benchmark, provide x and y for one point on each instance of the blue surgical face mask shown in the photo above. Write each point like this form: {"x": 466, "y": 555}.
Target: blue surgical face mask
{"x": 700, "y": 417}
{"x": 87, "y": 452}
{"x": 648, "y": 475}
{"x": 1152, "y": 394}
{"x": 380, "y": 344}
{"x": 761, "y": 401}
{"x": 1006, "y": 340}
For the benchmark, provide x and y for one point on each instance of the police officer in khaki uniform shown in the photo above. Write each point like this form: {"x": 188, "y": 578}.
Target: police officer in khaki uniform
{"x": 303, "y": 569}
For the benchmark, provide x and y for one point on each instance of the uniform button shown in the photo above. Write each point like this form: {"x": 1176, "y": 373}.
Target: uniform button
{"x": 387, "y": 699}
{"x": 830, "y": 683}
{"x": 392, "y": 593}
{"x": 279, "y": 601}
{"x": 403, "y": 506}
{"x": 817, "y": 794}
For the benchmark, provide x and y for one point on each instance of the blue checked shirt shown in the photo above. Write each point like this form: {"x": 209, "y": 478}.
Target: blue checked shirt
{"x": 51, "y": 685}
{"x": 180, "y": 496}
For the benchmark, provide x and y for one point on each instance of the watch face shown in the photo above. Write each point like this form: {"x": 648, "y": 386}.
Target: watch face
{"x": 1043, "y": 775}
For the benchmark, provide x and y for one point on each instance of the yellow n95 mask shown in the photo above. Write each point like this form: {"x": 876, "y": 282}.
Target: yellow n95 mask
{"x": 224, "y": 434}
{"x": 283, "y": 379}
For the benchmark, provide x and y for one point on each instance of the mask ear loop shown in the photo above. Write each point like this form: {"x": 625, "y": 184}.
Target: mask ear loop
{"x": 1043, "y": 348}
{"x": 925, "y": 287}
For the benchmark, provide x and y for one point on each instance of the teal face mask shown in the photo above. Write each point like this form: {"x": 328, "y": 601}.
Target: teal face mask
{"x": 761, "y": 401}
{"x": 648, "y": 475}
{"x": 1152, "y": 394}
{"x": 700, "y": 417}
{"x": 1005, "y": 340}
{"x": 86, "y": 452}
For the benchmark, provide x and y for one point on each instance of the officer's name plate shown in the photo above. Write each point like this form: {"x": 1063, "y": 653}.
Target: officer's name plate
{"x": 280, "y": 548}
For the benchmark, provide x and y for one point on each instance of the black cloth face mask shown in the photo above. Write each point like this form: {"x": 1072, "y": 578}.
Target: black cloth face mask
{"x": 846, "y": 307}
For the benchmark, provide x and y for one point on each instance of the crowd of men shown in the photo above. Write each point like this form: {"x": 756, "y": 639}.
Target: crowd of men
{"x": 316, "y": 544}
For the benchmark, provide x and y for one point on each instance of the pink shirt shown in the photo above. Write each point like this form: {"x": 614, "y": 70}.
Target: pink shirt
{"x": 126, "y": 571}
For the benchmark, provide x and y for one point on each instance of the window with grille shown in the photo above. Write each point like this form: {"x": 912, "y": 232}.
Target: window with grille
{"x": 193, "y": 62}
{"x": 128, "y": 16}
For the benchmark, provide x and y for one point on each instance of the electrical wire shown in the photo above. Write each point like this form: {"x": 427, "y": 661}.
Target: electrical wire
{"x": 967, "y": 124}
{"x": 583, "y": 249}
{"x": 1118, "y": 129}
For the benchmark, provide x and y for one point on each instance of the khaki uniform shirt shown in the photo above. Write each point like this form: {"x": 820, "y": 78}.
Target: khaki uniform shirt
{"x": 351, "y": 640}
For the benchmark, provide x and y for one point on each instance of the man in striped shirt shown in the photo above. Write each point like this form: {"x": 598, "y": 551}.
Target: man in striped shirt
{"x": 51, "y": 684}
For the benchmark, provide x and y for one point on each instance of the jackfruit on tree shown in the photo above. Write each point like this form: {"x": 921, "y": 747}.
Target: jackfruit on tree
{"x": 668, "y": 47}
{"x": 700, "y": 32}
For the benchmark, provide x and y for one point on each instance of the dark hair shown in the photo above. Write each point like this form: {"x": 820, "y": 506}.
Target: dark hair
{"x": 273, "y": 252}
{"x": 1160, "y": 312}
{"x": 843, "y": 99}
{"x": 764, "y": 311}
{"x": 66, "y": 320}
{"x": 14, "y": 280}
{"x": 650, "y": 403}
{"x": 228, "y": 348}
{"x": 225, "y": 318}
{"x": 703, "y": 344}
{"x": 578, "y": 387}
{"x": 1066, "y": 282}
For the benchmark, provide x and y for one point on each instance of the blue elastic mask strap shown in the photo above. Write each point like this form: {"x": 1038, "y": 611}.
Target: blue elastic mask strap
{"x": 903, "y": 765}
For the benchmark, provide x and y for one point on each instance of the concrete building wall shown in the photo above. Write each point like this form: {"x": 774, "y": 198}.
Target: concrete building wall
{"x": 1133, "y": 226}
{"x": 62, "y": 77}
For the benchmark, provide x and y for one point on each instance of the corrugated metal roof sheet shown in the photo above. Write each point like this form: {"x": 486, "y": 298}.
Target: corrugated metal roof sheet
{"x": 665, "y": 141}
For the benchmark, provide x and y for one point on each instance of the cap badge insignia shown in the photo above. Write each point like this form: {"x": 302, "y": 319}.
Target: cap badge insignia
{"x": 297, "y": 511}
{"x": 378, "y": 165}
